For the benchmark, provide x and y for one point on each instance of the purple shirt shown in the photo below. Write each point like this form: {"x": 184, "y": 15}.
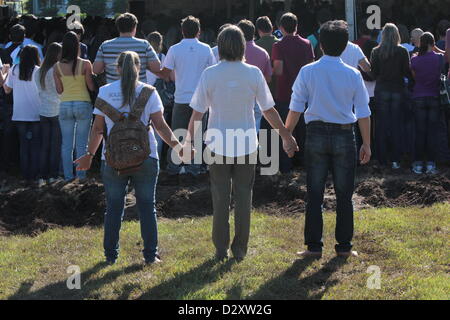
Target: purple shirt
{"x": 427, "y": 69}
{"x": 258, "y": 57}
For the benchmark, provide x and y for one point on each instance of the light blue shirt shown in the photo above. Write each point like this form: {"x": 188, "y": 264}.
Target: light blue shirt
{"x": 333, "y": 91}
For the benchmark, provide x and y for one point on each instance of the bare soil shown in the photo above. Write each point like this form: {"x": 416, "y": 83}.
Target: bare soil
{"x": 32, "y": 210}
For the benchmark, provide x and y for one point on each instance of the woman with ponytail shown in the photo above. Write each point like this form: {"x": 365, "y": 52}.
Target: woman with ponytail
{"x": 427, "y": 67}
{"x": 120, "y": 95}
{"x": 73, "y": 78}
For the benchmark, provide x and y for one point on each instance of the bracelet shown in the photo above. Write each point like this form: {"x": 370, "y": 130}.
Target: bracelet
{"x": 90, "y": 154}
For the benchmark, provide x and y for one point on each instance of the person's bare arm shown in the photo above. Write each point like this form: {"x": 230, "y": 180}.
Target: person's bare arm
{"x": 289, "y": 144}
{"x": 58, "y": 83}
{"x": 268, "y": 79}
{"x": 99, "y": 67}
{"x": 164, "y": 131}
{"x": 154, "y": 66}
{"x": 365, "y": 65}
{"x": 165, "y": 74}
{"x": 88, "y": 75}
{"x": 278, "y": 67}
{"x": 84, "y": 163}
{"x": 365, "y": 153}
{"x": 7, "y": 89}
{"x": 196, "y": 116}
{"x": 292, "y": 120}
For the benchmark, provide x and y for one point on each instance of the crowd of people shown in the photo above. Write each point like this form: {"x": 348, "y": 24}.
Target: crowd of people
{"x": 254, "y": 76}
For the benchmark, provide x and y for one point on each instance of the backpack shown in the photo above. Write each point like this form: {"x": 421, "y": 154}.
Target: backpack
{"x": 128, "y": 144}
{"x": 166, "y": 90}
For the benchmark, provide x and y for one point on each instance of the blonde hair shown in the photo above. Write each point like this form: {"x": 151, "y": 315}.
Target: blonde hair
{"x": 129, "y": 63}
{"x": 390, "y": 40}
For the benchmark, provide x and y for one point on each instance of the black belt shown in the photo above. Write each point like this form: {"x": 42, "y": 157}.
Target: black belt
{"x": 331, "y": 125}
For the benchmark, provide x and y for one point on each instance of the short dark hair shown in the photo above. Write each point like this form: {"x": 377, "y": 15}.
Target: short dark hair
{"x": 264, "y": 24}
{"x": 156, "y": 39}
{"x": 231, "y": 44}
{"x": 334, "y": 37}
{"x": 248, "y": 29}
{"x": 17, "y": 33}
{"x": 126, "y": 22}
{"x": 190, "y": 26}
{"x": 289, "y": 22}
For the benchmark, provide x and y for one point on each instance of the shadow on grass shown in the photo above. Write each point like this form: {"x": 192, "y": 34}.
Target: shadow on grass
{"x": 289, "y": 286}
{"x": 183, "y": 284}
{"x": 88, "y": 289}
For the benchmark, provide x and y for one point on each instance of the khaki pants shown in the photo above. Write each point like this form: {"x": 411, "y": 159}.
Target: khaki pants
{"x": 225, "y": 179}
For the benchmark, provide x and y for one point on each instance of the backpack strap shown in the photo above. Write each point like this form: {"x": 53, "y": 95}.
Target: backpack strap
{"x": 108, "y": 110}
{"x": 141, "y": 102}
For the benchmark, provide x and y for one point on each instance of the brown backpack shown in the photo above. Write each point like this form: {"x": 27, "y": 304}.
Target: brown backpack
{"x": 128, "y": 144}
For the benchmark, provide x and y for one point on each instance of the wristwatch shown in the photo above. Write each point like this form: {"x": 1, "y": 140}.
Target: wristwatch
{"x": 88, "y": 153}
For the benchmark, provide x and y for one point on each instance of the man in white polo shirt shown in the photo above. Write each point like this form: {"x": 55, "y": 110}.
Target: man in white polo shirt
{"x": 337, "y": 99}
{"x": 188, "y": 59}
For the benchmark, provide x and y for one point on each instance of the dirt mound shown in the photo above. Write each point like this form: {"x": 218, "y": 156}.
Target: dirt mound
{"x": 30, "y": 210}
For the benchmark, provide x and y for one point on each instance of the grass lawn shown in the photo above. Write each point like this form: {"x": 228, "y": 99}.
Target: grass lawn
{"x": 410, "y": 246}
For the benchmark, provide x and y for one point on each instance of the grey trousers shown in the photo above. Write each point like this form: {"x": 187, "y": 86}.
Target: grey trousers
{"x": 225, "y": 180}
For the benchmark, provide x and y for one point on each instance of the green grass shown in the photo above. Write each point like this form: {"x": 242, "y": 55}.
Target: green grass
{"x": 410, "y": 246}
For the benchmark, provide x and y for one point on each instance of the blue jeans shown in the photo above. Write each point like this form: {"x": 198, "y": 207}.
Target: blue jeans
{"x": 330, "y": 147}
{"x": 426, "y": 113}
{"x": 50, "y": 157}
{"x": 258, "y": 117}
{"x": 389, "y": 125}
{"x": 75, "y": 119}
{"x": 144, "y": 182}
{"x": 30, "y": 141}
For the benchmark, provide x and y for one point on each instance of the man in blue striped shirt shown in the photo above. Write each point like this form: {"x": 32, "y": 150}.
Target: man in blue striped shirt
{"x": 109, "y": 50}
{"x": 336, "y": 100}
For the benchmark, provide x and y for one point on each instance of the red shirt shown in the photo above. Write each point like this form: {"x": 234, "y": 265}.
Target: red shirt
{"x": 295, "y": 52}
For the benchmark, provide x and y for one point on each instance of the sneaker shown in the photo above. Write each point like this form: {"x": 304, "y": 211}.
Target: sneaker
{"x": 395, "y": 165}
{"x": 41, "y": 183}
{"x": 417, "y": 169}
{"x": 431, "y": 169}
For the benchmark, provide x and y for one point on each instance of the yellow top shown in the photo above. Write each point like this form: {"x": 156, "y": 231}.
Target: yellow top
{"x": 75, "y": 88}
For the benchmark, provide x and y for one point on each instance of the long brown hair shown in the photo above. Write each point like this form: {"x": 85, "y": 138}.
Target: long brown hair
{"x": 390, "y": 40}
{"x": 426, "y": 40}
{"x": 51, "y": 57}
{"x": 129, "y": 63}
{"x": 70, "y": 48}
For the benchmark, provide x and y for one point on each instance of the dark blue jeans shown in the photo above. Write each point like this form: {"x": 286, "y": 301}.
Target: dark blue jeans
{"x": 330, "y": 147}
{"x": 144, "y": 182}
{"x": 30, "y": 142}
{"x": 426, "y": 113}
{"x": 50, "y": 157}
{"x": 388, "y": 123}
{"x": 10, "y": 151}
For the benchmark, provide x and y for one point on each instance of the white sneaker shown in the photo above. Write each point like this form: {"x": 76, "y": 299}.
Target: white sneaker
{"x": 41, "y": 183}
{"x": 417, "y": 169}
{"x": 431, "y": 169}
{"x": 395, "y": 165}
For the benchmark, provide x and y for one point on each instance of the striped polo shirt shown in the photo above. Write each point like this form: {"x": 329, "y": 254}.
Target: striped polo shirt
{"x": 110, "y": 50}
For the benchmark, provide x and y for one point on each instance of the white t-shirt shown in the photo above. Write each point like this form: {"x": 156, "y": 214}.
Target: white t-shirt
{"x": 112, "y": 93}
{"x": 25, "y": 94}
{"x": 151, "y": 77}
{"x": 188, "y": 59}
{"x": 229, "y": 90}
{"x": 352, "y": 55}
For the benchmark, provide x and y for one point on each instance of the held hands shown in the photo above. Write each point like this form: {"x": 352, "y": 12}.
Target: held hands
{"x": 84, "y": 163}
{"x": 365, "y": 154}
{"x": 187, "y": 152}
{"x": 290, "y": 145}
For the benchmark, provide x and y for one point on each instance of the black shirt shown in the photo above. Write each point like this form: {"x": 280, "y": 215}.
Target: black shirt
{"x": 391, "y": 73}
